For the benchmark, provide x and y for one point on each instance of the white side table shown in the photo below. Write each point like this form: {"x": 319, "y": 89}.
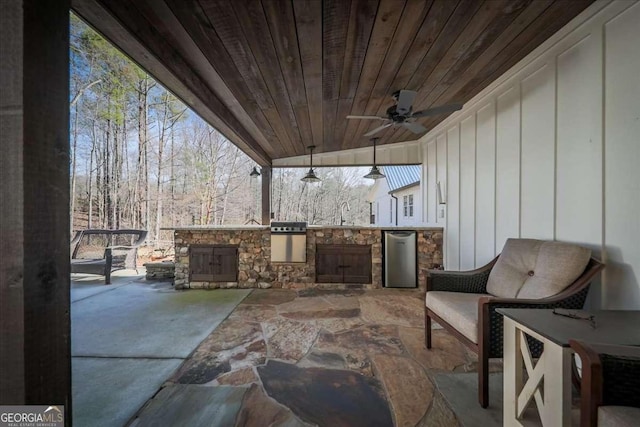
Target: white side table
{"x": 548, "y": 380}
{"x": 549, "y": 377}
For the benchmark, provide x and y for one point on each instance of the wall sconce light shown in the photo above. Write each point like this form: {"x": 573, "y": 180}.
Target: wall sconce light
{"x": 441, "y": 200}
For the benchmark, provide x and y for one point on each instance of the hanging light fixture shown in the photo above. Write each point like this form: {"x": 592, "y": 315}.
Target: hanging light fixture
{"x": 311, "y": 175}
{"x": 374, "y": 173}
{"x": 254, "y": 173}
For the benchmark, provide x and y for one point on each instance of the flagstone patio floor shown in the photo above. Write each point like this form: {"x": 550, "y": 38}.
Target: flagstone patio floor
{"x": 316, "y": 357}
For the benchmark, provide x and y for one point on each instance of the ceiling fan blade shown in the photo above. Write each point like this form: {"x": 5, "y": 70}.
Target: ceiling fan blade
{"x": 367, "y": 117}
{"x": 405, "y": 101}
{"x": 378, "y": 129}
{"x": 414, "y": 127}
{"x": 437, "y": 110}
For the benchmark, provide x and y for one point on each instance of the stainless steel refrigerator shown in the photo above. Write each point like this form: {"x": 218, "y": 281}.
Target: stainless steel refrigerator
{"x": 400, "y": 259}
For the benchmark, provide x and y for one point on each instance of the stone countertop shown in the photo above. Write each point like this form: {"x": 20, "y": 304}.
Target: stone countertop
{"x": 311, "y": 227}
{"x": 217, "y": 227}
{"x": 365, "y": 227}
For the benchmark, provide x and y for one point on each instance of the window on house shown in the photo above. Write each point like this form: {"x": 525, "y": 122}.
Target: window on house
{"x": 411, "y": 205}
{"x": 405, "y": 205}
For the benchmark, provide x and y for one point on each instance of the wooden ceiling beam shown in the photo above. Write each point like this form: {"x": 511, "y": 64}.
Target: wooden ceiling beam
{"x": 129, "y": 31}
{"x": 451, "y": 33}
{"x": 227, "y": 34}
{"x": 560, "y": 12}
{"x": 387, "y": 18}
{"x": 411, "y": 21}
{"x": 485, "y": 27}
{"x": 282, "y": 25}
{"x": 190, "y": 24}
{"x": 308, "y": 15}
{"x": 253, "y": 23}
{"x": 361, "y": 19}
{"x": 507, "y": 50}
{"x": 334, "y": 37}
{"x": 275, "y": 76}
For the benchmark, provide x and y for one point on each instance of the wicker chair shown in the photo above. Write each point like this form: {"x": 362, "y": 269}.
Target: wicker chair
{"x": 462, "y": 304}
{"x": 610, "y": 386}
{"x": 101, "y": 252}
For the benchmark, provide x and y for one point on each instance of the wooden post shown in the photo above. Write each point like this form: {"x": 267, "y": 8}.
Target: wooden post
{"x": 266, "y": 194}
{"x": 35, "y": 352}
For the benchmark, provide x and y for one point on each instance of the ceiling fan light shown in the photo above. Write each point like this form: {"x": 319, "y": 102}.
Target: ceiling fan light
{"x": 374, "y": 173}
{"x": 310, "y": 176}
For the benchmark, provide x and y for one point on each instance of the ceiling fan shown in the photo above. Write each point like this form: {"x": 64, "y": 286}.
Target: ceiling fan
{"x": 402, "y": 114}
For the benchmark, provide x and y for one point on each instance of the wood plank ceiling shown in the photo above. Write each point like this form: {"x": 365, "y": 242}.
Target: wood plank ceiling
{"x": 278, "y": 75}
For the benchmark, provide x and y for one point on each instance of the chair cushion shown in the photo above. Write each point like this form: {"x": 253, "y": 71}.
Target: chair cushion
{"x": 458, "y": 309}
{"x": 618, "y": 416}
{"x": 529, "y": 268}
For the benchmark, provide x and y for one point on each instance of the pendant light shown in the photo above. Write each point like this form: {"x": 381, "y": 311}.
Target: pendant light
{"x": 374, "y": 173}
{"x": 254, "y": 173}
{"x": 311, "y": 175}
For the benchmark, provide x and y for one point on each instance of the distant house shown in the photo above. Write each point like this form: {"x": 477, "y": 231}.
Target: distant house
{"x": 395, "y": 200}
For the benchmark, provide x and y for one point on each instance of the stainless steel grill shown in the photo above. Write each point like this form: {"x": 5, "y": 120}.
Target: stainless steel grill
{"x": 288, "y": 242}
{"x": 289, "y": 227}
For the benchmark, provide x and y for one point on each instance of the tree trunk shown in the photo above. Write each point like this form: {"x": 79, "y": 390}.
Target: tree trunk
{"x": 141, "y": 192}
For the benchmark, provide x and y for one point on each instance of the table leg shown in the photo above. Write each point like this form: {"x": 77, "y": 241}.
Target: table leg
{"x": 513, "y": 373}
{"x": 557, "y": 385}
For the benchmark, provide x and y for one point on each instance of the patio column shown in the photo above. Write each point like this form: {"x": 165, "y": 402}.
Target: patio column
{"x": 35, "y": 361}
{"x": 266, "y": 194}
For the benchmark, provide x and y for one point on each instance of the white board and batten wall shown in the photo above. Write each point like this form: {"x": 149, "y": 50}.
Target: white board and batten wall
{"x": 551, "y": 150}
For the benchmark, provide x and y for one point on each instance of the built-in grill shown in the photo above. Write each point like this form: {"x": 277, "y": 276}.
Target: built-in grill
{"x": 289, "y": 227}
{"x": 288, "y": 242}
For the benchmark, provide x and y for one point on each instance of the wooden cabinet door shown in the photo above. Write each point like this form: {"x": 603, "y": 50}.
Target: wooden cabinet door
{"x": 225, "y": 264}
{"x": 328, "y": 258}
{"x": 213, "y": 264}
{"x": 343, "y": 263}
{"x": 201, "y": 264}
{"x": 356, "y": 263}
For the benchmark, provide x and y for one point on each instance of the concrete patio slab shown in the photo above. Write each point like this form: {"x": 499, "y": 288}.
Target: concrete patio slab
{"x": 86, "y": 285}
{"x": 461, "y": 392}
{"x": 129, "y": 337}
{"x": 109, "y": 391}
{"x": 141, "y": 320}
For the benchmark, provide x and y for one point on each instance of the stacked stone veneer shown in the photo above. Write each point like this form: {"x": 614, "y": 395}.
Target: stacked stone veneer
{"x": 257, "y": 271}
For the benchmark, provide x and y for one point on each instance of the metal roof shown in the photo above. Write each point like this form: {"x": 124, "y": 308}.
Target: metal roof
{"x": 401, "y": 176}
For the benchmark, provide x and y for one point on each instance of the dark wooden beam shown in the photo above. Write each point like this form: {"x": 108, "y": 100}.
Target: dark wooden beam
{"x": 308, "y": 14}
{"x": 361, "y": 19}
{"x": 185, "y": 19}
{"x": 35, "y": 351}
{"x": 250, "y": 15}
{"x": 387, "y": 18}
{"x": 275, "y": 76}
{"x": 266, "y": 195}
{"x": 127, "y": 29}
{"x": 411, "y": 21}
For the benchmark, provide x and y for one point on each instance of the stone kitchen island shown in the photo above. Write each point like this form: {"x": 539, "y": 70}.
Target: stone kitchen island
{"x": 213, "y": 257}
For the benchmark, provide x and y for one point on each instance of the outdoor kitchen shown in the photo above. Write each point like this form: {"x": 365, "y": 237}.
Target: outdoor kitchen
{"x": 294, "y": 256}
